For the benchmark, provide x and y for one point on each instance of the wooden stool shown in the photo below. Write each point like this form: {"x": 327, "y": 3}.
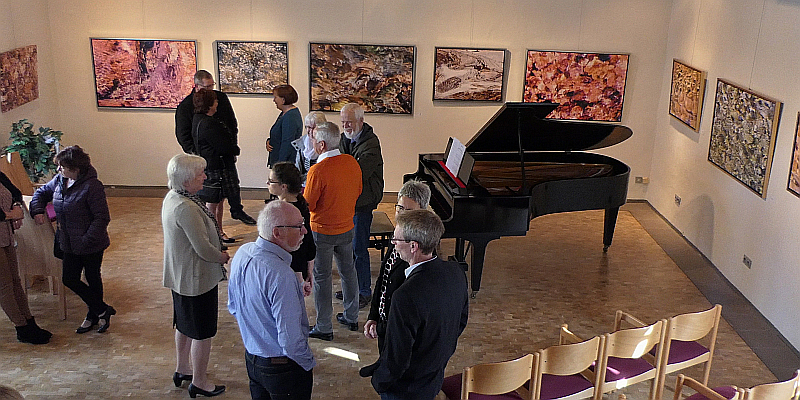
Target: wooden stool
{"x": 380, "y": 232}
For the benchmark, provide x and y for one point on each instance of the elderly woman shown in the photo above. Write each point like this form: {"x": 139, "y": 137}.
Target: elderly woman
{"x": 286, "y": 184}
{"x": 287, "y": 128}
{"x": 13, "y": 299}
{"x": 82, "y": 215}
{"x": 306, "y": 156}
{"x": 193, "y": 259}
{"x": 414, "y": 195}
{"x": 215, "y": 143}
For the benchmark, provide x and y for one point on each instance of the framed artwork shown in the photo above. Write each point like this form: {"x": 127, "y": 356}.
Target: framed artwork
{"x": 132, "y": 73}
{"x": 468, "y": 74}
{"x": 588, "y": 86}
{"x": 743, "y": 135}
{"x": 686, "y": 94}
{"x": 19, "y": 79}
{"x": 379, "y": 77}
{"x": 794, "y": 169}
{"x": 251, "y": 67}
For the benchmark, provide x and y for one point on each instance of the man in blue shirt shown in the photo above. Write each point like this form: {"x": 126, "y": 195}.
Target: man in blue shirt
{"x": 264, "y": 295}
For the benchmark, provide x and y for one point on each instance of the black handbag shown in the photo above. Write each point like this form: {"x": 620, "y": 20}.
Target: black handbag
{"x": 57, "y": 252}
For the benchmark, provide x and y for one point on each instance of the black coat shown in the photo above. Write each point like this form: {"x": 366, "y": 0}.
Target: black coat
{"x": 214, "y": 142}
{"x": 428, "y": 313}
{"x": 185, "y": 113}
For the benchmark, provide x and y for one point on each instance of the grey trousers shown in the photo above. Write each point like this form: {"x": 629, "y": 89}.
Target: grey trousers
{"x": 328, "y": 247}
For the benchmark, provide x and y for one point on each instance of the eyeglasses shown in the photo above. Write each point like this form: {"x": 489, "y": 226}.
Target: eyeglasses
{"x": 395, "y": 241}
{"x": 270, "y": 181}
{"x": 299, "y": 226}
{"x": 398, "y": 207}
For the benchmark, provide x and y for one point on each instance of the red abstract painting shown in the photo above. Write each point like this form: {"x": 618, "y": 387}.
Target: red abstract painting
{"x": 19, "y": 79}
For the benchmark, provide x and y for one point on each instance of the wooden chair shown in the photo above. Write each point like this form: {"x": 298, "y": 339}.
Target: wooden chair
{"x": 504, "y": 380}
{"x": 786, "y": 390}
{"x": 627, "y": 360}
{"x": 560, "y": 372}
{"x": 704, "y": 392}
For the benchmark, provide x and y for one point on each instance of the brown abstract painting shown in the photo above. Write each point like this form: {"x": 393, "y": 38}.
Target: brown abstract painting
{"x": 380, "y": 78}
{"x": 143, "y": 73}
{"x": 19, "y": 79}
{"x": 743, "y": 135}
{"x": 686, "y": 94}
{"x": 468, "y": 74}
{"x": 252, "y": 67}
{"x": 794, "y": 170}
{"x": 588, "y": 86}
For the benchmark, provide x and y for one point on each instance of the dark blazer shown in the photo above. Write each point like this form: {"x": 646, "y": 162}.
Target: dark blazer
{"x": 214, "y": 142}
{"x": 392, "y": 280}
{"x": 367, "y": 151}
{"x": 185, "y": 113}
{"x": 428, "y": 313}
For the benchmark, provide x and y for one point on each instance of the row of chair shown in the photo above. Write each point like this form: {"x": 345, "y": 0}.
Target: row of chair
{"x": 574, "y": 369}
{"x": 786, "y": 390}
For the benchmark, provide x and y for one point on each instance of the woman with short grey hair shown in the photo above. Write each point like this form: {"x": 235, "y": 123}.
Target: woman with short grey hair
{"x": 306, "y": 156}
{"x": 193, "y": 259}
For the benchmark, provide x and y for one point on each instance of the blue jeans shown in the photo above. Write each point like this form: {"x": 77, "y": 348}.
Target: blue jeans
{"x": 363, "y": 221}
{"x": 340, "y": 246}
{"x": 278, "y": 381}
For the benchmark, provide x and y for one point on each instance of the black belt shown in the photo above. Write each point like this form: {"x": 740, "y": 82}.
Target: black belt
{"x": 273, "y": 360}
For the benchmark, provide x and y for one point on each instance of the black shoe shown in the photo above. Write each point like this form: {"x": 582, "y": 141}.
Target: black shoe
{"x": 32, "y": 322}
{"x": 339, "y": 295}
{"x": 32, "y": 334}
{"x": 242, "y": 216}
{"x": 363, "y": 301}
{"x": 194, "y": 391}
{"x": 369, "y": 369}
{"x": 178, "y": 379}
{"x": 353, "y": 326}
{"x": 92, "y": 323}
{"x": 314, "y": 333}
{"x": 228, "y": 240}
{"x": 105, "y": 319}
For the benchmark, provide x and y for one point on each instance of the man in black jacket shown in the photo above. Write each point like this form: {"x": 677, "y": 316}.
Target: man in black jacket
{"x": 359, "y": 141}
{"x": 183, "y": 132}
{"x": 427, "y": 314}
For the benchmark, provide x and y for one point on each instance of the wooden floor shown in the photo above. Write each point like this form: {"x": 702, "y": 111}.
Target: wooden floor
{"x": 556, "y": 274}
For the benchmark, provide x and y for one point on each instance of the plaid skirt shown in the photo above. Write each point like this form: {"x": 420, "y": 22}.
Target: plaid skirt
{"x": 219, "y": 184}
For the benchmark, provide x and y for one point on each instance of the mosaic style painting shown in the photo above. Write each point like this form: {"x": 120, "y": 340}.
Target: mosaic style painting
{"x": 19, "y": 79}
{"x": 252, "y": 67}
{"x": 743, "y": 135}
{"x": 468, "y": 74}
{"x": 687, "y": 93}
{"x": 588, "y": 86}
{"x": 380, "y": 78}
{"x": 794, "y": 170}
{"x": 143, "y": 73}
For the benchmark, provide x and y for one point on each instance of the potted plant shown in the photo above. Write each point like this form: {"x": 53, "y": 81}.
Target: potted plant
{"x": 36, "y": 149}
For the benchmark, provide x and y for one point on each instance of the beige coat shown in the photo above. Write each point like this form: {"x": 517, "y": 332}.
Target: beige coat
{"x": 191, "y": 247}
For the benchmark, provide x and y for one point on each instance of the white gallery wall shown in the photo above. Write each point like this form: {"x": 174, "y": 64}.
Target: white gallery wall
{"x": 755, "y": 44}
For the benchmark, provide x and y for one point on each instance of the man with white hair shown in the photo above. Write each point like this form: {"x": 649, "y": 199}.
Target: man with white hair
{"x": 360, "y": 141}
{"x": 265, "y": 297}
{"x": 332, "y": 188}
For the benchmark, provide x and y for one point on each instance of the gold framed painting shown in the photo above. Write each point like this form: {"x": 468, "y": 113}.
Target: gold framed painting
{"x": 794, "y": 169}
{"x": 687, "y": 93}
{"x": 743, "y": 135}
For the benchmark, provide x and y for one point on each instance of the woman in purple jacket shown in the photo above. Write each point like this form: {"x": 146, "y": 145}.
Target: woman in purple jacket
{"x": 82, "y": 215}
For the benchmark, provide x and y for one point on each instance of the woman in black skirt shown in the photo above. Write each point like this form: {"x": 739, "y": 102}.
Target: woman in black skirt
{"x": 193, "y": 259}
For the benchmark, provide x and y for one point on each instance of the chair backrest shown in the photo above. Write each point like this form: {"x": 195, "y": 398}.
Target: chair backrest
{"x": 11, "y": 165}
{"x": 786, "y": 390}
{"x": 634, "y": 342}
{"x": 695, "y": 326}
{"x": 564, "y": 360}
{"x": 497, "y": 378}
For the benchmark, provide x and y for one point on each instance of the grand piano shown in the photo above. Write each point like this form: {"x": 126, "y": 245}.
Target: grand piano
{"x": 525, "y": 166}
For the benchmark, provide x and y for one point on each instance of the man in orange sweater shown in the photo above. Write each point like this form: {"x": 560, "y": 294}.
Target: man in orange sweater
{"x": 332, "y": 188}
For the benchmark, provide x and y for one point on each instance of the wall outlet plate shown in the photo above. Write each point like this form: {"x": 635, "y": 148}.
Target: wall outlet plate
{"x": 747, "y": 261}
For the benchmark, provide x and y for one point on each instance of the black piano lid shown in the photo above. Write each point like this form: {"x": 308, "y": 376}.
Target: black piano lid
{"x": 540, "y": 134}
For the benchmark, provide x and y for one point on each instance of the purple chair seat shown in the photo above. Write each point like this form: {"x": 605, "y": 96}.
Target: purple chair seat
{"x": 452, "y": 389}
{"x": 680, "y": 351}
{"x": 725, "y": 391}
{"x": 556, "y": 386}
{"x": 625, "y": 368}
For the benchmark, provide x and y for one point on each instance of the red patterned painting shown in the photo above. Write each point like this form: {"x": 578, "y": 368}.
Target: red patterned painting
{"x": 588, "y": 86}
{"x": 19, "y": 79}
{"x": 143, "y": 73}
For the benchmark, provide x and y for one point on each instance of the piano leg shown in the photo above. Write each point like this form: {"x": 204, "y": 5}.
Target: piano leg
{"x": 608, "y": 226}
{"x": 478, "y": 253}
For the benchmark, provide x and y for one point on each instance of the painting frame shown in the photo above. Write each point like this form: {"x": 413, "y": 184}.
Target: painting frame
{"x": 340, "y": 73}
{"x": 687, "y": 94}
{"x": 445, "y": 81}
{"x": 794, "y": 166}
{"x": 745, "y": 123}
{"x": 165, "y": 78}
{"x": 19, "y": 77}
{"x": 252, "y": 76}
{"x": 582, "y": 96}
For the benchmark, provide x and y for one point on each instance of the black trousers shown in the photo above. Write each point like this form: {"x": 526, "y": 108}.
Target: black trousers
{"x": 90, "y": 292}
{"x": 278, "y": 378}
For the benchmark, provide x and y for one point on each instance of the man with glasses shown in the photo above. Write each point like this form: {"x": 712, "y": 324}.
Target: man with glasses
{"x": 427, "y": 315}
{"x": 183, "y": 131}
{"x": 332, "y": 188}
{"x": 265, "y": 297}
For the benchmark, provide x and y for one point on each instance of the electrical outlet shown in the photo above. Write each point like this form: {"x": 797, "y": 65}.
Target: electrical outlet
{"x": 645, "y": 180}
{"x": 677, "y": 200}
{"x": 747, "y": 261}
{"x": 638, "y": 179}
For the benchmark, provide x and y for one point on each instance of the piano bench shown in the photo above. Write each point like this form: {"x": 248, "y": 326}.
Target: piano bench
{"x": 380, "y": 232}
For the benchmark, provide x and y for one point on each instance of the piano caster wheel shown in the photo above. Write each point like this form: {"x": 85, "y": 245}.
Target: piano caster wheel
{"x": 605, "y": 249}
{"x": 473, "y": 295}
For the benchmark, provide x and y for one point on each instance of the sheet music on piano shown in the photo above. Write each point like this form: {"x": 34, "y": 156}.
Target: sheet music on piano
{"x": 458, "y": 163}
